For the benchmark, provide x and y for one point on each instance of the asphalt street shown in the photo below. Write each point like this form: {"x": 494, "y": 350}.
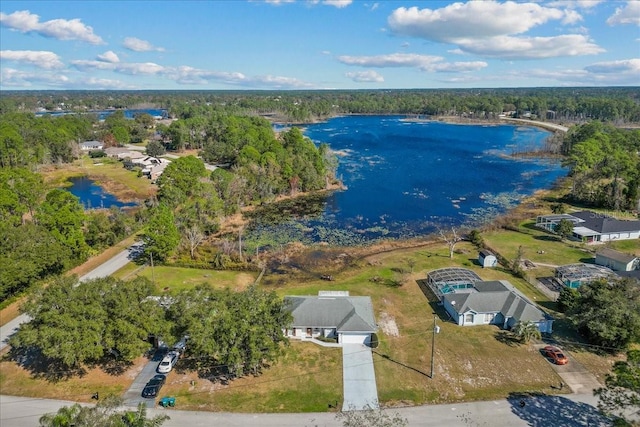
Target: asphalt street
{"x": 574, "y": 410}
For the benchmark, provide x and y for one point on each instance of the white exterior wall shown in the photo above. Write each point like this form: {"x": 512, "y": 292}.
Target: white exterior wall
{"x": 620, "y": 236}
{"x": 452, "y": 312}
{"x": 354, "y": 338}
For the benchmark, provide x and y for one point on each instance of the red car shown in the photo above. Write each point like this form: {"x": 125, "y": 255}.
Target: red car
{"x": 555, "y": 354}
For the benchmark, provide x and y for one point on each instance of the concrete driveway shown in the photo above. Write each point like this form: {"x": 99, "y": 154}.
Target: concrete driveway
{"x": 574, "y": 375}
{"x": 359, "y": 378}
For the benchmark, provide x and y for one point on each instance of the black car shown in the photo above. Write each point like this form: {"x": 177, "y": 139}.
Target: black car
{"x": 152, "y": 388}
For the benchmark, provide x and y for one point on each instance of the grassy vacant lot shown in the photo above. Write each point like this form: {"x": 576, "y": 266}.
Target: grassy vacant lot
{"x": 175, "y": 279}
{"x": 18, "y": 381}
{"x": 305, "y": 379}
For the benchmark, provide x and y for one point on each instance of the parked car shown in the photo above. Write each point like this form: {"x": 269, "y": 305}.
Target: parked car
{"x": 181, "y": 346}
{"x": 168, "y": 361}
{"x": 555, "y": 354}
{"x": 153, "y": 386}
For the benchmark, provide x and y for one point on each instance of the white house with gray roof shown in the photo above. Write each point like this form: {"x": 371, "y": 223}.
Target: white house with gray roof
{"x": 494, "y": 302}
{"x": 593, "y": 227}
{"x": 337, "y": 315}
{"x": 617, "y": 261}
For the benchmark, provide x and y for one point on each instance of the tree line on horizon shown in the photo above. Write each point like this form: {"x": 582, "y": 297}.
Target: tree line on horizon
{"x": 617, "y": 105}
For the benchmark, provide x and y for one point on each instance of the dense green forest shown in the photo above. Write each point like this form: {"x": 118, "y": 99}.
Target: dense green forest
{"x": 619, "y": 105}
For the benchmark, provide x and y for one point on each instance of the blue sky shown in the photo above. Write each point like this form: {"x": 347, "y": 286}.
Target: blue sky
{"x": 317, "y": 44}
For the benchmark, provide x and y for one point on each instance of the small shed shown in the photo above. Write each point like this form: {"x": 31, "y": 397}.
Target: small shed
{"x": 487, "y": 259}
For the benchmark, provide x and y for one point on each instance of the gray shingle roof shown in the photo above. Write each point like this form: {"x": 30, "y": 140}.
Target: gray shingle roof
{"x": 346, "y": 314}
{"x": 605, "y": 224}
{"x": 615, "y": 255}
{"x": 492, "y": 297}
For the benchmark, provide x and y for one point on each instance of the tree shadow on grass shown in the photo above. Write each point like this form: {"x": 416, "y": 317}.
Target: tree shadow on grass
{"x": 506, "y": 337}
{"x": 41, "y": 367}
{"x": 542, "y": 410}
{"x": 386, "y": 357}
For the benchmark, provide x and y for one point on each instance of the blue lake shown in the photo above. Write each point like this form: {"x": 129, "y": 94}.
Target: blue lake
{"x": 92, "y": 196}
{"x": 102, "y": 114}
{"x": 409, "y": 178}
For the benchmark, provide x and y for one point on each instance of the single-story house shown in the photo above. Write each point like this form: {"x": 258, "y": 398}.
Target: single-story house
{"x": 146, "y": 161}
{"x": 593, "y": 227}
{"x": 332, "y": 315}
{"x": 574, "y": 275}
{"x": 115, "y": 151}
{"x": 91, "y": 145}
{"x": 617, "y": 261}
{"x": 155, "y": 170}
{"x": 132, "y": 155}
{"x": 494, "y": 302}
{"x": 487, "y": 259}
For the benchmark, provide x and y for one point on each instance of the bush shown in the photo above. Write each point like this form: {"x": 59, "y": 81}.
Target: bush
{"x": 95, "y": 154}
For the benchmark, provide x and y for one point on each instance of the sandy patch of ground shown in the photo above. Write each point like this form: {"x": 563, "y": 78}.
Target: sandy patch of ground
{"x": 388, "y": 325}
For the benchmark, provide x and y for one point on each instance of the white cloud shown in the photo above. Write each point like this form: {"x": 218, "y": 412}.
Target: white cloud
{"x": 338, "y": 3}
{"x": 38, "y": 58}
{"x": 365, "y": 76}
{"x": 571, "y": 17}
{"x": 492, "y": 29}
{"x": 108, "y": 56}
{"x": 10, "y": 77}
{"x": 470, "y": 20}
{"x": 132, "y": 68}
{"x": 138, "y": 45}
{"x": 575, "y": 4}
{"x": 506, "y": 47}
{"x": 622, "y": 72}
{"x": 193, "y": 76}
{"x": 61, "y": 29}
{"x": 628, "y": 14}
{"x": 412, "y": 60}
{"x": 392, "y": 60}
{"x": 630, "y": 66}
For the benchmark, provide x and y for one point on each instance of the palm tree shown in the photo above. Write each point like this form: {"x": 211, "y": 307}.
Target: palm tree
{"x": 526, "y": 331}
{"x": 65, "y": 417}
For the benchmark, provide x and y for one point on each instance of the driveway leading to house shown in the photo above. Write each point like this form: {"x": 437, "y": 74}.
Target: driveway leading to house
{"x": 359, "y": 378}
{"x": 133, "y": 396}
{"x": 574, "y": 375}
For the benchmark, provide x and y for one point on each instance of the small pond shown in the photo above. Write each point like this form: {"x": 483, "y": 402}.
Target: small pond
{"x": 92, "y": 196}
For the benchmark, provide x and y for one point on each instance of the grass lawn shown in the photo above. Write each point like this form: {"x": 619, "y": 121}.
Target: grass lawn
{"x": 175, "y": 279}
{"x": 18, "y": 381}
{"x": 305, "y": 379}
{"x": 538, "y": 246}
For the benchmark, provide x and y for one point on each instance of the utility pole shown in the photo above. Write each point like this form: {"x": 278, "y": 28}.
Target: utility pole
{"x": 436, "y": 329}
{"x": 153, "y": 279}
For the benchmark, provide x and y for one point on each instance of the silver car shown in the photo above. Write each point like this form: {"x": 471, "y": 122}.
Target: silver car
{"x": 168, "y": 361}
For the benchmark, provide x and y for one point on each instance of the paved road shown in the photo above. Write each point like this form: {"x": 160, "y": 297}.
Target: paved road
{"x": 106, "y": 269}
{"x": 358, "y": 377}
{"x": 547, "y": 125}
{"x": 575, "y": 410}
